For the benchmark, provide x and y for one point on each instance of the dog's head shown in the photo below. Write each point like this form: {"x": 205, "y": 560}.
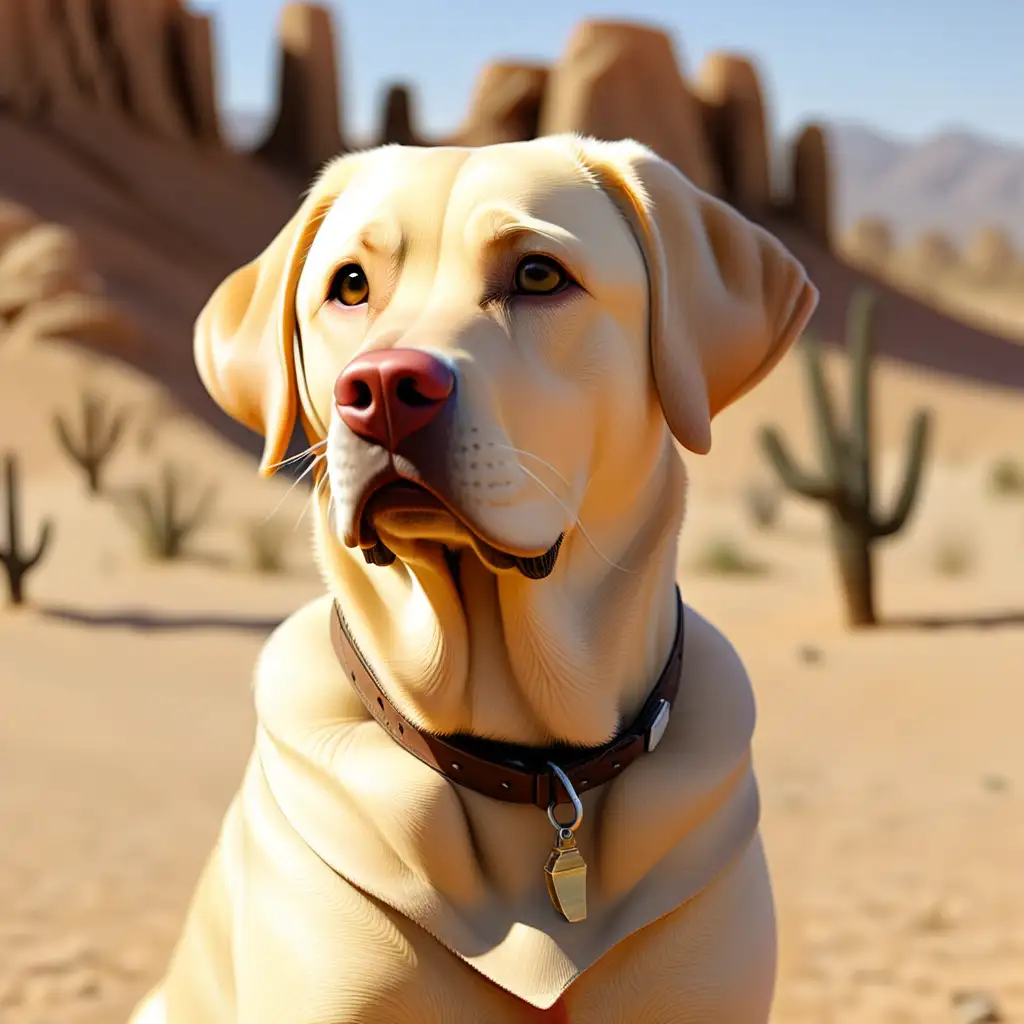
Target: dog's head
{"x": 486, "y": 336}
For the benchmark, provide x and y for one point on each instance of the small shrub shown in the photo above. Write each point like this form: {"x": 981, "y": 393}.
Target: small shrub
{"x": 725, "y": 557}
{"x": 91, "y": 441}
{"x": 159, "y": 515}
{"x": 810, "y": 654}
{"x": 953, "y": 556}
{"x": 995, "y": 783}
{"x": 266, "y": 543}
{"x": 1007, "y": 478}
{"x": 762, "y": 502}
{"x": 936, "y": 918}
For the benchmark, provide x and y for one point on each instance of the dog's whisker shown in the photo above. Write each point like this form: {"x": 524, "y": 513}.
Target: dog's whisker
{"x": 311, "y": 450}
{"x": 305, "y": 508}
{"x": 295, "y": 483}
{"x": 532, "y": 455}
{"x": 576, "y": 522}
{"x": 314, "y": 495}
{"x": 323, "y": 482}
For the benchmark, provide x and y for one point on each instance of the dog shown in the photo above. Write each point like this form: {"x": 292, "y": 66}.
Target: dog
{"x": 496, "y": 355}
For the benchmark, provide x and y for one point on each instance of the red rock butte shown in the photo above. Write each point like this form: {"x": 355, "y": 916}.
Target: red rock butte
{"x": 109, "y": 124}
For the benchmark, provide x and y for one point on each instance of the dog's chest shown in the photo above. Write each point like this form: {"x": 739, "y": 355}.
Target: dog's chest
{"x": 328, "y": 954}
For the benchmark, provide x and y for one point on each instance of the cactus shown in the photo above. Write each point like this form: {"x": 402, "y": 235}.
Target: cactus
{"x": 94, "y": 444}
{"x": 846, "y": 486}
{"x": 17, "y": 562}
{"x": 157, "y": 515}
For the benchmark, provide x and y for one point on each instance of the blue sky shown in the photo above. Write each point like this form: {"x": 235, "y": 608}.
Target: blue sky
{"x": 906, "y": 66}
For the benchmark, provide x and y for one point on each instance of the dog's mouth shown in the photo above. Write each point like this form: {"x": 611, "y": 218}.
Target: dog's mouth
{"x": 424, "y": 514}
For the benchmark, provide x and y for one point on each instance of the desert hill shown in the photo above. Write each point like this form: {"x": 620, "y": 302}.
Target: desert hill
{"x": 109, "y": 125}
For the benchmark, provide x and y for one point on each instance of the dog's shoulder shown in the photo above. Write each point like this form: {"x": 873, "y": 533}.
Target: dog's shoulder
{"x": 297, "y": 674}
{"x": 714, "y": 675}
{"x": 305, "y": 630}
{"x": 708, "y": 649}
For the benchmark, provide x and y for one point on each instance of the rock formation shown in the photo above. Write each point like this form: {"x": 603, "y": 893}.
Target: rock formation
{"x": 17, "y": 81}
{"x": 811, "y": 191}
{"x": 505, "y": 106}
{"x": 46, "y": 39}
{"x": 730, "y": 89}
{"x": 149, "y": 62}
{"x": 15, "y": 220}
{"x": 88, "y": 320}
{"x": 87, "y": 40}
{"x": 618, "y": 80}
{"x": 869, "y": 243}
{"x": 113, "y": 78}
{"x": 397, "y": 122}
{"x": 48, "y": 290}
{"x": 308, "y": 130}
{"x": 140, "y": 33}
{"x": 109, "y": 127}
{"x": 990, "y": 256}
{"x": 932, "y": 252}
{"x": 42, "y": 262}
{"x": 194, "y": 61}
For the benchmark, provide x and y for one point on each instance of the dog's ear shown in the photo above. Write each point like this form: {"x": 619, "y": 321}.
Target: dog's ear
{"x": 244, "y": 340}
{"x": 727, "y": 300}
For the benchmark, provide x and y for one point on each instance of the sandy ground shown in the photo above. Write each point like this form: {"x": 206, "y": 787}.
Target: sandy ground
{"x": 891, "y": 764}
{"x": 997, "y": 307}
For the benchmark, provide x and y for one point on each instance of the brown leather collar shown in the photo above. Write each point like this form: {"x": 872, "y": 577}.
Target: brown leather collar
{"x": 506, "y": 771}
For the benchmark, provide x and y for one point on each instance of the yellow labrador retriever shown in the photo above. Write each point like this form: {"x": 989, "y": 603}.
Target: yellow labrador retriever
{"x": 501, "y": 773}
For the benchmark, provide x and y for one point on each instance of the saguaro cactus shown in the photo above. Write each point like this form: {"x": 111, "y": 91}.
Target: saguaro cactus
{"x": 845, "y": 484}
{"x": 94, "y": 443}
{"x": 19, "y": 563}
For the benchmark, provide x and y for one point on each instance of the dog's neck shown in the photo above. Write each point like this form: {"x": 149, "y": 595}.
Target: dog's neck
{"x": 566, "y": 659}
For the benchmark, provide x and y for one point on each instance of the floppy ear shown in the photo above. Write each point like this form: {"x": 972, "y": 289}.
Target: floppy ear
{"x": 727, "y": 299}
{"x": 244, "y": 337}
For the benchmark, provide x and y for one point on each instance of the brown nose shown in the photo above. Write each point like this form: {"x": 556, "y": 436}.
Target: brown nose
{"x": 386, "y": 395}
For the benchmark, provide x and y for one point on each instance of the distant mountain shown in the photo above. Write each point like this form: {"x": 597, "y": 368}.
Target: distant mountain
{"x": 954, "y": 181}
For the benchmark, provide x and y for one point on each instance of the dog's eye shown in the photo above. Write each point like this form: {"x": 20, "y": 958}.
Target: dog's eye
{"x": 540, "y": 275}
{"x": 349, "y": 286}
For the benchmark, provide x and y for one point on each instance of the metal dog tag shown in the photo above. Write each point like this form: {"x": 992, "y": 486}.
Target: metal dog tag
{"x": 566, "y": 872}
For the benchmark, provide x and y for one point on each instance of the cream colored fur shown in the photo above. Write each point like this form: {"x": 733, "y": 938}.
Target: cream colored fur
{"x": 352, "y": 883}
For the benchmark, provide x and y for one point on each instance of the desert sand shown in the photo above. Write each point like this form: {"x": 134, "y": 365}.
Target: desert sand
{"x": 994, "y": 304}
{"x": 890, "y": 762}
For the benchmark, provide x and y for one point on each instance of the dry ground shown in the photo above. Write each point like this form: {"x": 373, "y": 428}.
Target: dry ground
{"x": 891, "y": 764}
{"x": 996, "y": 306}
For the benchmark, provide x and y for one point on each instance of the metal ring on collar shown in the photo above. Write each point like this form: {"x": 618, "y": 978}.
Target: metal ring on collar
{"x": 577, "y": 804}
